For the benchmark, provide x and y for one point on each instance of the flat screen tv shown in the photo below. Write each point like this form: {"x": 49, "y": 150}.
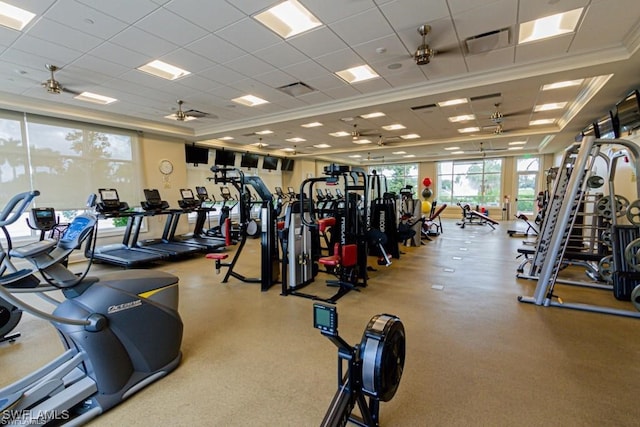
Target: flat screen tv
{"x": 225, "y": 157}
{"x": 605, "y": 127}
{"x": 628, "y": 112}
{"x": 270, "y": 163}
{"x": 196, "y": 155}
{"x": 249, "y": 160}
{"x": 286, "y": 164}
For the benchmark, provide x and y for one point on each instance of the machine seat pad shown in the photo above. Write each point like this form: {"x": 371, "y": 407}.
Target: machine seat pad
{"x": 217, "y": 256}
{"x": 325, "y": 223}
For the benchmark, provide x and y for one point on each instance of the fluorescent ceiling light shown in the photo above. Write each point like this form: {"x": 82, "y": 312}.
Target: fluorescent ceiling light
{"x": 162, "y": 69}
{"x": 362, "y": 141}
{"x": 357, "y": 74}
{"x": 373, "y": 115}
{"x": 457, "y": 152}
{"x": 289, "y": 149}
{"x": 14, "y": 17}
{"x": 296, "y": 139}
{"x": 355, "y": 156}
{"x": 95, "y": 98}
{"x": 518, "y": 143}
{"x": 322, "y": 146}
{"x": 409, "y": 156}
{"x": 469, "y": 130}
{"x": 452, "y": 148}
{"x": 561, "y": 85}
{"x": 260, "y": 144}
{"x": 515, "y": 148}
{"x": 549, "y": 26}
{"x": 541, "y": 122}
{"x": 396, "y": 126}
{"x": 226, "y": 138}
{"x": 264, "y": 132}
{"x": 453, "y": 102}
{"x": 250, "y": 100}
{"x": 288, "y": 19}
{"x": 463, "y": 118}
{"x": 311, "y": 125}
{"x": 410, "y": 136}
{"x": 399, "y": 152}
{"x": 550, "y": 106}
{"x": 339, "y": 134}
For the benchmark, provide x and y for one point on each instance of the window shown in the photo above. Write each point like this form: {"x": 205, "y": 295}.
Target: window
{"x": 398, "y": 176}
{"x": 66, "y": 161}
{"x": 527, "y": 170}
{"x": 471, "y": 181}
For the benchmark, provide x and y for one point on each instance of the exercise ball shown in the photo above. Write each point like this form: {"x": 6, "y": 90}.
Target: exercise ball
{"x": 426, "y": 207}
{"x": 426, "y": 182}
{"x": 427, "y": 193}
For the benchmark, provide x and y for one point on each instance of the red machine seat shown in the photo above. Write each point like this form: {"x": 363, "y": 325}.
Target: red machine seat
{"x": 217, "y": 256}
{"x": 347, "y": 256}
{"x": 325, "y": 223}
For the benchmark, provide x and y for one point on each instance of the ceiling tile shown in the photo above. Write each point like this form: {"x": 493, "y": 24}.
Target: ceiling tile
{"x": 330, "y": 11}
{"x": 363, "y": 27}
{"x": 188, "y": 60}
{"x": 211, "y": 15}
{"x": 281, "y": 55}
{"x": 120, "y": 55}
{"x": 318, "y": 42}
{"x": 529, "y": 10}
{"x": 145, "y": 43}
{"x": 340, "y": 60}
{"x": 305, "y": 70}
{"x": 124, "y": 10}
{"x": 215, "y": 49}
{"x": 222, "y": 74}
{"x": 386, "y": 50}
{"x": 62, "y": 35}
{"x": 85, "y": 19}
{"x": 58, "y": 55}
{"x": 275, "y": 78}
{"x": 248, "y": 62}
{"x": 8, "y": 36}
{"x": 249, "y": 35}
{"x": 495, "y": 59}
{"x": 491, "y": 17}
{"x": 251, "y": 7}
{"x": 603, "y": 12}
{"x": 169, "y": 26}
{"x": 404, "y": 14}
{"x": 543, "y": 50}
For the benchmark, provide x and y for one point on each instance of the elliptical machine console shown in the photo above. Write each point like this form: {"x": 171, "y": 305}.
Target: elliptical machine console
{"x": 121, "y": 332}
{"x": 374, "y": 367}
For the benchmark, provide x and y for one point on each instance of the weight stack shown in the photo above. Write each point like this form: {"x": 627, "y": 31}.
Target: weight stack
{"x": 625, "y": 278}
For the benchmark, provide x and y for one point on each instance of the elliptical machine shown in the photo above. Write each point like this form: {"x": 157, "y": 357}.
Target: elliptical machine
{"x": 121, "y": 333}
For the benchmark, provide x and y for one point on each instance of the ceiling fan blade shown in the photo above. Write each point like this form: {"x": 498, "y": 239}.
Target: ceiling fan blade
{"x": 71, "y": 91}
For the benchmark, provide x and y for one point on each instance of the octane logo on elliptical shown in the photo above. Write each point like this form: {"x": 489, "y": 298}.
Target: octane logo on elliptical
{"x": 124, "y": 306}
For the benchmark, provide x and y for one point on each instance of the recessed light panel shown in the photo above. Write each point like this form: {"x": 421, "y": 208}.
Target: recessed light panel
{"x": 518, "y": 143}
{"x": 296, "y": 139}
{"x": 550, "y": 106}
{"x": 250, "y": 100}
{"x": 226, "y": 138}
{"x": 288, "y": 19}
{"x": 561, "y": 85}
{"x": 14, "y": 17}
{"x": 95, "y": 98}
{"x": 162, "y": 69}
{"x": 463, "y": 118}
{"x": 357, "y": 74}
{"x": 452, "y": 148}
{"x": 410, "y": 136}
{"x": 339, "y": 134}
{"x": 311, "y": 125}
{"x": 453, "y": 102}
{"x": 396, "y": 126}
{"x": 373, "y": 115}
{"x": 457, "y": 152}
{"x": 397, "y": 153}
{"x": 469, "y": 130}
{"x": 541, "y": 122}
{"x": 355, "y": 156}
{"x": 408, "y": 156}
{"x": 264, "y": 132}
{"x": 362, "y": 141}
{"x": 515, "y": 148}
{"x": 322, "y": 146}
{"x": 549, "y": 26}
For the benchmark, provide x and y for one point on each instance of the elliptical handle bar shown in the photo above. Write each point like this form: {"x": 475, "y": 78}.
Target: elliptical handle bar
{"x": 16, "y": 207}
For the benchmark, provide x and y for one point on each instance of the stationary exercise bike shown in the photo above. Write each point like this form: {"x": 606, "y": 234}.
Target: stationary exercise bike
{"x": 122, "y": 332}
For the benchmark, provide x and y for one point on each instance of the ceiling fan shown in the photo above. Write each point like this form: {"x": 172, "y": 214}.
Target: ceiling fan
{"x": 497, "y": 119}
{"x": 52, "y": 85}
{"x": 357, "y": 133}
{"x": 424, "y": 53}
{"x": 482, "y": 150}
{"x": 371, "y": 158}
{"x": 185, "y": 116}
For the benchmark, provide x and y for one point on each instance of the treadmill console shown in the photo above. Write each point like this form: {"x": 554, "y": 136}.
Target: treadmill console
{"x": 153, "y": 201}
{"x": 110, "y": 202}
{"x": 188, "y": 201}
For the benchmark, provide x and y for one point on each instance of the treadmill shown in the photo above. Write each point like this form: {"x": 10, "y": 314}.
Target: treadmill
{"x": 121, "y": 254}
{"x": 154, "y": 205}
{"x": 189, "y": 203}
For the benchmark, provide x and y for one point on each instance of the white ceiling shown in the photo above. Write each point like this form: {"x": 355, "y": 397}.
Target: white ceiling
{"x": 98, "y": 45}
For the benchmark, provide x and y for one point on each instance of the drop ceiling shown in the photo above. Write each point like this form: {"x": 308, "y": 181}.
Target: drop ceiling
{"x": 99, "y": 44}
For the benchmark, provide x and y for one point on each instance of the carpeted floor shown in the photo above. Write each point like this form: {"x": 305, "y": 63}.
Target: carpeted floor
{"x": 475, "y": 356}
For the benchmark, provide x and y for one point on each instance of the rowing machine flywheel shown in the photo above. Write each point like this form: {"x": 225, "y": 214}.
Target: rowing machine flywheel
{"x": 382, "y": 350}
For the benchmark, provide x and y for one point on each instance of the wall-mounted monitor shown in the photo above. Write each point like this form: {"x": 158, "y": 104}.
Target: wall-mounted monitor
{"x": 628, "y": 113}
{"x": 196, "y": 155}
{"x": 286, "y": 164}
{"x": 225, "y": 158}
{"x": 270, "y": 163}
{"x": 249, "y": 160}
{"x": 606, "y": 127}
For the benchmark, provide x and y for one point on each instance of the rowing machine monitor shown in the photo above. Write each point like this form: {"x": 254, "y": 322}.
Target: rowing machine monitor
{"x": 325, "y": 318}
